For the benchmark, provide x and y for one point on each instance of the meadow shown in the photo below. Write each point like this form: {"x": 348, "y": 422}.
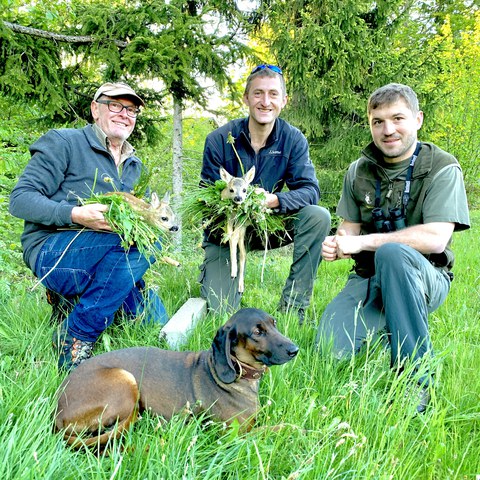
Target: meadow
{"x": 347, "y": 420}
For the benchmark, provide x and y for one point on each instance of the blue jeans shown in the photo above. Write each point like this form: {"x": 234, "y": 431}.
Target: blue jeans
{"x": 96, "y": 268}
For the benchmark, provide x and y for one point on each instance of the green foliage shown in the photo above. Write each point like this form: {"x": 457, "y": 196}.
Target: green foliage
{"x": 329, "y": 56}
{"x": 455, "y": 89}
{"x": 133, "y": 225}
{"x": 204, "y": 207}
{"x": 16, "y": 132}
{"x": 163, "y": 43}
{"x": 157, "y": 156}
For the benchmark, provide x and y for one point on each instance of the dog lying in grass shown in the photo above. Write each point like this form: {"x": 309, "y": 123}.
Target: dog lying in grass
{"x": 108, "y": 390}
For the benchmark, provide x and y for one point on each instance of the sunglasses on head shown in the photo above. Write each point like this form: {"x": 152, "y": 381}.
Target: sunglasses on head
{"x": 273, "y": 68}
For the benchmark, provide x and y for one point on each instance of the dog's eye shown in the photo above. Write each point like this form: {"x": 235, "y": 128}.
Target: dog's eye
{"x": 164, "y": 219}
{"x": 257, "y": 331}
{"x": 244, "y": 190}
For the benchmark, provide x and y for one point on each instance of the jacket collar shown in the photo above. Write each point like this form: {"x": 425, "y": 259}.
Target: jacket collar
{"x": 127, "y": 148}
{"x": 423, "y": 164}
{"x": 245, "y": 132}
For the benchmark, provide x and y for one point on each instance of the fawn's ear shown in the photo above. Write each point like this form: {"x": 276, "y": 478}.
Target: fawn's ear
{"x": 154, "y": 201}
{"x": 250, "y": 175}
{"x": 224, "y": 175}
{"x": 166, "y": 198}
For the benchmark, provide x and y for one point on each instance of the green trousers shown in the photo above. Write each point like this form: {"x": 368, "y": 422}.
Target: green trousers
{"x": 394, "y": 302}
{"x": 307, "y": 230}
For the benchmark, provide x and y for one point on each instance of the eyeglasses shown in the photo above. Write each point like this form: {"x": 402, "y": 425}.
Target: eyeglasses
{"x": 273, "y": 68}
{"x": 117, "y": 107}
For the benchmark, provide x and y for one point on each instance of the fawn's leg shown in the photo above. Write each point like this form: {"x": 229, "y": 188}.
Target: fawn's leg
{"x": 233, "y": 241}
{"x": 242, "y": 253}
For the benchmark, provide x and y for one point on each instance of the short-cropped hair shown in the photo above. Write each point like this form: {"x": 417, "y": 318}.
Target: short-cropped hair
{"x": 391, "y": 93}
{"x": 266, "y": 72}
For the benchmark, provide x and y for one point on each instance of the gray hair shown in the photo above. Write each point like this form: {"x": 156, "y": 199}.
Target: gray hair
{"x": 391, "y": 93}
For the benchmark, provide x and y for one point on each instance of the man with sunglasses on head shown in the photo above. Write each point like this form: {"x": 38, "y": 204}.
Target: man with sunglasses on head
{"x": 69, "y": 246}
{"x": 279, "y": 152}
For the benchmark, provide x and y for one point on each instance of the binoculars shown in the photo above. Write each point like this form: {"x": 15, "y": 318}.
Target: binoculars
{"x": 394, "y": 221}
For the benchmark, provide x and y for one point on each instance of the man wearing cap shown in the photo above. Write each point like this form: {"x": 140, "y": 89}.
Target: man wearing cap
{"x": 279, "y": 152}
{"x": 88, "y": 274}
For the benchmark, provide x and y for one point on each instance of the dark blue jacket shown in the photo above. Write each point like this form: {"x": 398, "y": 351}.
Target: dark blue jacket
{"x": 66, "y": 165}
{"x": 284, "y": 161}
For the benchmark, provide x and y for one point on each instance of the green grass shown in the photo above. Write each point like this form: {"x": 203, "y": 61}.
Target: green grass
{"x": 346, "y": 420}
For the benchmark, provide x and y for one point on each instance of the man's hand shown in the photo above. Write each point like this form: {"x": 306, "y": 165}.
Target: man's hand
{"x": 91, "y": 216}
{"x": 341, "y": 245}
{"x": 347, "y": 245}
{"x": 271, "y": 200}
{"x": 329, "y": 248}
{"x": 425, "y": 238}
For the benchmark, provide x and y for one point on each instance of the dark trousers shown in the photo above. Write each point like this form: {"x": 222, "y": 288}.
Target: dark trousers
{"x": 406, "y": 287}
{"x": 307, "y": 231}
{"x": 95, "y": 267}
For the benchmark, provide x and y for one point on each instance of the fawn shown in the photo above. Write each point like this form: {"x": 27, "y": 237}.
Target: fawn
{"x": 157, "y": 212}
{"x": 236, "y": 190}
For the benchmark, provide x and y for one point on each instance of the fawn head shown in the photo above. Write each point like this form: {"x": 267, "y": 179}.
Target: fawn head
{"x": 157, "y": 212}
{"x": 163, "y": 215}
{"x": 236, "y": 189}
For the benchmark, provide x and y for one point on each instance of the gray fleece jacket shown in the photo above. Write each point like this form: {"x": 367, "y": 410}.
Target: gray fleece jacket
{"x": 66, "y": 165}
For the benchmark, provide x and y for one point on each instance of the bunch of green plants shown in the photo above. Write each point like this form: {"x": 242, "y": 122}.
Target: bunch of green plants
{"x": 133, "y": 228}
{"x": 204, "y": 206}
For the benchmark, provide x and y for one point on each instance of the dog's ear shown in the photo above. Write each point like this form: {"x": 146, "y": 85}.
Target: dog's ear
{"x": 221, "y": 354}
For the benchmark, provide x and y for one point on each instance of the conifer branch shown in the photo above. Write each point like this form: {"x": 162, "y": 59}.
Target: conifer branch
{"x": 36, "y": 32}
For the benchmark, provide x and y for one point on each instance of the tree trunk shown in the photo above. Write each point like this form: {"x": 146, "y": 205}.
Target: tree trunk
{"x": 177, "y": 160}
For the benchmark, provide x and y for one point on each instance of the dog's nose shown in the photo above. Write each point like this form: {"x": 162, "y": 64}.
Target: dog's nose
{"x": 238, "y": 199}
{"x": 292, "y": 351}
{"x": 174, "y": 229}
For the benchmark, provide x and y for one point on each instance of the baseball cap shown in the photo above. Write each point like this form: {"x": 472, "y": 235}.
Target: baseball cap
{"x": 118, "y": 90}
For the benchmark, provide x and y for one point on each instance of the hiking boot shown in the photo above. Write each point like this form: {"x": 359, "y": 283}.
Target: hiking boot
{"x": 287, "y": 308}
{"x": 418, "y": 395}
{"x": 61, "y": 306}
{"x": 422, "y": 399}
{"x": 72, "y": 351}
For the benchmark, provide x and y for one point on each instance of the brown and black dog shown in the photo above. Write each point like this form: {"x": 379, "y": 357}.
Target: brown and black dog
{"x": 111, "y": 388}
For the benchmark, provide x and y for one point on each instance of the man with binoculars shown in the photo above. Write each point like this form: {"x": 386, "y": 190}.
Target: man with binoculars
{"x": 401, "y": 201}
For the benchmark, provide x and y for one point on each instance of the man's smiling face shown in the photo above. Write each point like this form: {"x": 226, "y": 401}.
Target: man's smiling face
{"x": 117, "y": 126}
{"x": 265, "y": 99}
{"x": 394, "y": 130}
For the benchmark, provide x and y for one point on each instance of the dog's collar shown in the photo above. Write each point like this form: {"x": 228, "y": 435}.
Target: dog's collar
{"x": 246, "y": 371}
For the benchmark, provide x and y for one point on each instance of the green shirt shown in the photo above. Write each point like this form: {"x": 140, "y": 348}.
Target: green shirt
{"x": 437, "y": 194}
